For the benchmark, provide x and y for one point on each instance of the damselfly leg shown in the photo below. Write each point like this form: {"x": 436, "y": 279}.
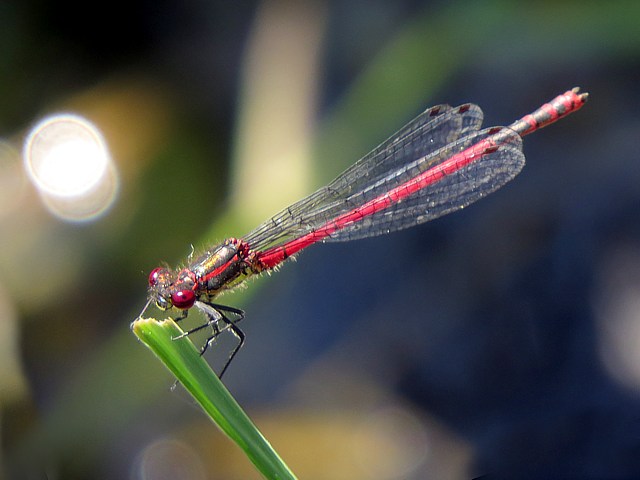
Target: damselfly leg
{"x": 219, "y": 320}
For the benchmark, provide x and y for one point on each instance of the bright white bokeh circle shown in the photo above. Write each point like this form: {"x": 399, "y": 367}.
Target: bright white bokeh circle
{"x": 65, "y": 155}
{"x": 68, "y": 161}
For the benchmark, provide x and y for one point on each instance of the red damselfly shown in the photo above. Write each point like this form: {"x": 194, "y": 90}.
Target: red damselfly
{"x": 438, "y": 163}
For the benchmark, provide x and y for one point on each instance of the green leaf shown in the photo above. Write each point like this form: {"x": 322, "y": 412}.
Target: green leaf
{"x": 182, "y": 358}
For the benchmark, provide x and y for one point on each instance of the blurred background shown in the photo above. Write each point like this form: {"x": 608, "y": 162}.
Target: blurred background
{"x": 501, "y": 340}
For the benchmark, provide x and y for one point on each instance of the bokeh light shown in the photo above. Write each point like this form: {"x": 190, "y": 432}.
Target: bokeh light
{"x": 68, "y": 162}
{"x": 399, "y": 434}
{"x": 617, "y": 309}
{"x": 168, "y": 458}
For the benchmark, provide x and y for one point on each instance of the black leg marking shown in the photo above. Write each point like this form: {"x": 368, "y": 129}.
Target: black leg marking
{"x": 211, "y": 323}
{"x": 240, "y": 336}
{"x": 226, "y": 308}
{"x": 216, "y": 314}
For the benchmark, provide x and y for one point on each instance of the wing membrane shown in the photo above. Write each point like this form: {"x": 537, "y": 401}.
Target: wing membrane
{"x": 414, "y": 148}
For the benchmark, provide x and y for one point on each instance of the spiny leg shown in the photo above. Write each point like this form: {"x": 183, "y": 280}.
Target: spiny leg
{"x": 237, "y": 332}
{"x": 226, "y": 308}
{"x": 183, "y": 315}
{"x": 214, "y": 310}
{"x": 212, "y": 321}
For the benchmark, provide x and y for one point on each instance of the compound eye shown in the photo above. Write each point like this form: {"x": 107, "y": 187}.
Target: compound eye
{"x": 155, "y": 275}
{"x": 183, "y": 299}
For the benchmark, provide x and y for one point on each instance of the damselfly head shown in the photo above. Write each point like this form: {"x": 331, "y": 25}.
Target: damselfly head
{"x": 168, "y": 289}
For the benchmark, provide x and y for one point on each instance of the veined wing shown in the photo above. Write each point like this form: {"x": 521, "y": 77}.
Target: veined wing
{"x": 416, "y": 147}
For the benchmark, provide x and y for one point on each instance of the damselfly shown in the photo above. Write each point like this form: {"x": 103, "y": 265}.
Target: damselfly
{"x": 438, "y": 163}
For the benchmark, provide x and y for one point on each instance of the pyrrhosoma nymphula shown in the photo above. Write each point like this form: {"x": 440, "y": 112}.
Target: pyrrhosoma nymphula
{"x": 440, "y": 162}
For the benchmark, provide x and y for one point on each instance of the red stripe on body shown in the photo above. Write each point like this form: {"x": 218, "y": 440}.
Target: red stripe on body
{"x": 552, "y": 111}
{"x": 558, "y": 108}
{"x": 271, "y": 258}
{"x": 217, "y": 271}
{"x": 571, "y": 100}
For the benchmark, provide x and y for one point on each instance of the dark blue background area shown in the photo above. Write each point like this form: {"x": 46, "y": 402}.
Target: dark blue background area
{"x": 485, "y": 318}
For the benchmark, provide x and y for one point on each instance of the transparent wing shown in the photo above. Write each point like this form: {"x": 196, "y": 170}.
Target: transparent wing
{"x": 453, "y": 192}
{"x": 414, "y": 148}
